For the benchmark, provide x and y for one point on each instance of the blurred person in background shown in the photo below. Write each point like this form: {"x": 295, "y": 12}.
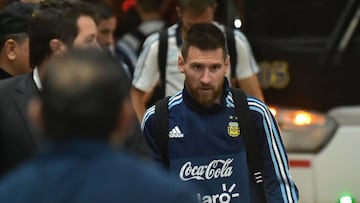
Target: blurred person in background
{"x": 55, "y": 27}
{"x": 14, "y": 39}
{"x": 106, "y": 26}
{"x": 151, "y": 21}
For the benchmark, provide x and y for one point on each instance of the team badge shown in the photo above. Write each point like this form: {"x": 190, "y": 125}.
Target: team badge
{"x": 233, "y": 129}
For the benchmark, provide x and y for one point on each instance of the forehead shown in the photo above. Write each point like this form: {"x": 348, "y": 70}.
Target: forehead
{"x": 107, "y": 23}
{"x": 196, "y": 55}
{"x": 86, "y": 25}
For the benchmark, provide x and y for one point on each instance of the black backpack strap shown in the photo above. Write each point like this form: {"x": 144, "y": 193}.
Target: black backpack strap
{"x": 161, "y": 129}
{"x": 248, "y": 131}
{"x": 230, "y": 41}
{"x": 159, "y": 91}
{"x": 162, "y": 56}
{"x": 140, "y": 36}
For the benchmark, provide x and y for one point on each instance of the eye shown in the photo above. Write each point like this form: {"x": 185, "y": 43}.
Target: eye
{"x": 215, "y": 67}
{"x": 197, "y": 67}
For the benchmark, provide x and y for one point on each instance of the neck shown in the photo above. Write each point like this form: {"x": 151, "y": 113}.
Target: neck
{"x": 5, "y": 66}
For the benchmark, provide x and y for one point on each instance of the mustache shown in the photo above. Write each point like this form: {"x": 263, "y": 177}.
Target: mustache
{"x": 206, "y": 86}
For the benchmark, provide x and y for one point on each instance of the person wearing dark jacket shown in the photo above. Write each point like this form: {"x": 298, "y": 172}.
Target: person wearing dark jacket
{"x": 55, "y": 27}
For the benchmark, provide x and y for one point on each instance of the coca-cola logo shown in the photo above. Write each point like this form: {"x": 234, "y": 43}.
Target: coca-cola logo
{"x": 215, "y": 169}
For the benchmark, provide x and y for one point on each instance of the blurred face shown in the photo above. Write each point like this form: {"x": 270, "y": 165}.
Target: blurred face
{"x": 105, "y": 32}
{"x": 204, "y": 74}
{"x": 188, "y": 18}
{"x": 86, "y": 37}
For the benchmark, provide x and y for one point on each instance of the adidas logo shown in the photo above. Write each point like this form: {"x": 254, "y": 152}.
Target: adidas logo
{"x": 175, "y": 133}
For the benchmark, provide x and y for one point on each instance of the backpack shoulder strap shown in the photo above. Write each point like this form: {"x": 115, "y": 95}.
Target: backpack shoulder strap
{"x": 161, "y": 129}
{"x": 159, "y": 90}
{"x": 162, "y": 55}
{"x": 230, "y": 41}
{"x": 248, "y": 129}
{"x": 140, "y": 36}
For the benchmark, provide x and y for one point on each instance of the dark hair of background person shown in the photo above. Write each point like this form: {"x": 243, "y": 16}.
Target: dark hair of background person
{"x": 17, "y": 37}
{"x": 103, "y": 10}
{"x": 82, "y": 95}
{"x": 198, "y": 36}
{"x": 196, "y": 7}
{"x": 14, "y": 22}
{"x": 48, "y": 22}
{"x": 150, "y": 5}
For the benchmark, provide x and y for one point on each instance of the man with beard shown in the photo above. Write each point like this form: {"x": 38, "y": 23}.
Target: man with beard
{"x": 206, "y": 142}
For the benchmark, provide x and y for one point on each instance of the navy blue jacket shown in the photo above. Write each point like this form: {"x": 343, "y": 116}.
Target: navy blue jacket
{"x": 206, "y": 149}
{"x": 87, "y": 171}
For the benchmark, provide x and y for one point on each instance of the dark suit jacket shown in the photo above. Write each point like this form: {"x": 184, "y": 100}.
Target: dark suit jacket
{"x": 18, "y": 139}
{"x": 3, "y": 74}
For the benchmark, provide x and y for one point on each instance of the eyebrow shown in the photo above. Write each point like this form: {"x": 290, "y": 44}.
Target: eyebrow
{"x": 203, "y": 64}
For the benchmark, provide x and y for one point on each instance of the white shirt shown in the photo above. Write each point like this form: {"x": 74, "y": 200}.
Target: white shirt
{"x": 36, "y": 78}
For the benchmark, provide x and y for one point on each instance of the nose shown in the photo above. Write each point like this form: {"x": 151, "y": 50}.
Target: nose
{"x": 205, "y": 77}
{"x": 111, "y": 39}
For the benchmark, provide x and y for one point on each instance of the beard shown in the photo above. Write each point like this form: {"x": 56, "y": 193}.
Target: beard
{"x": 205, "y": 95}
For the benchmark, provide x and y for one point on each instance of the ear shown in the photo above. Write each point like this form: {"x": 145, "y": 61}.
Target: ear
{"x": 214, "y": 6}
{"x": 178, "y": 11}
{"x": 126, "y": 117}
{"x": 181, "y": 63}
{"x": 10, "y": 48}
{"x": 57, "y": 46}
{"x": 35, "y": 112}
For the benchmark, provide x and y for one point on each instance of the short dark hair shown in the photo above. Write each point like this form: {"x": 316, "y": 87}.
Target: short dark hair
{"x": 54, "y": 19}
{"x": 18, "y": 37}
{"x": 205, "y": 36}
{"x": 82, "y": 94}
{"x": 150, "y": 5}
{"x": 195, "y": 6}
{"x": 103, "y": 10}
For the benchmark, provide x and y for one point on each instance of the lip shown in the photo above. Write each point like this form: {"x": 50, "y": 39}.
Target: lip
{"x": 206, "y": 89}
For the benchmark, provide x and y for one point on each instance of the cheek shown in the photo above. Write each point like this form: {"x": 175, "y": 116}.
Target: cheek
{"x": 192, "y": 77}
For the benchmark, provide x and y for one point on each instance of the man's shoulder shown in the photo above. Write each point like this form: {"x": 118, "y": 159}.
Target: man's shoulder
{"x": 12, "y": 181}
{"x": 155, "y": 37}
{"x": 258, "y": 109}
{"x": 144, "y": 175}
{"x": 11, "y": 83}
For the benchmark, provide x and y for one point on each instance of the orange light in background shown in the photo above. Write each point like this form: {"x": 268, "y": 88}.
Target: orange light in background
{"x": 302, "y": 118}
{"x": 273, "y": 110}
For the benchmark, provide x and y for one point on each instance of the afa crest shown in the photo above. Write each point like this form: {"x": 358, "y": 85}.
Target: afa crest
{"x": 233, "y": 129}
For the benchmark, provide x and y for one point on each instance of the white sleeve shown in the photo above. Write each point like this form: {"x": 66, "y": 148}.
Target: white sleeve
{"x": 146, "y": 72}
{"x": 246, "y": 64}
